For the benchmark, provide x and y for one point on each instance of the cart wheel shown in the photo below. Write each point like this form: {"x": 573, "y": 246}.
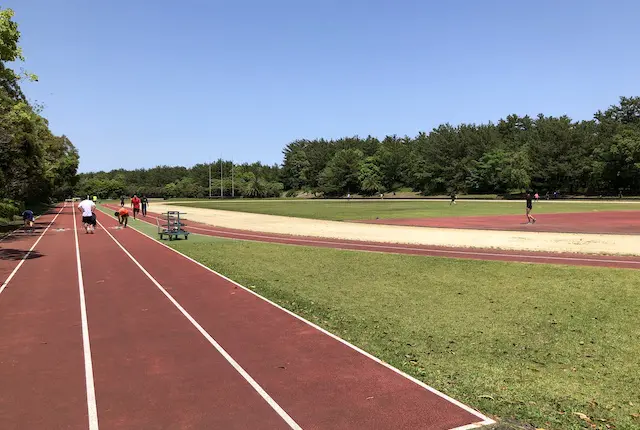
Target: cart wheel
{"x": 186, "y": 237}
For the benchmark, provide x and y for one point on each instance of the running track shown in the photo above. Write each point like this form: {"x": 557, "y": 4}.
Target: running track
{"x": 117, "y": 331}
{"x": 628, "y": 262}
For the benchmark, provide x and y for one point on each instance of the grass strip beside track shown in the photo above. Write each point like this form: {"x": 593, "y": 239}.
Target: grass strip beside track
{"x": 538, "y": 343}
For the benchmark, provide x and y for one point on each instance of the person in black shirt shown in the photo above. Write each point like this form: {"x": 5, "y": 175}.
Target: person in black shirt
{"x": 530, "y": 218}
{"x": 145, "y": 202}
{"x": 121, "y": 201}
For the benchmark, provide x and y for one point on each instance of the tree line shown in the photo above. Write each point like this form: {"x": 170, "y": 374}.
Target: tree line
{"x": 36, "y": 166}
{"x": 545, "y": 153}
{"x": 551, "y": 154}
{"x": 254, "y": 180}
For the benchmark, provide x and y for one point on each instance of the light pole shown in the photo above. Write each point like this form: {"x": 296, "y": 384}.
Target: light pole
{"x": 221, "y": 189}
{"x": 209, "y": 178}
{"x": 233, "y": 194}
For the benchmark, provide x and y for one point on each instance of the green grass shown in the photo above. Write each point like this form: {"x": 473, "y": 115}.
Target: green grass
{"x": 534, "y": 343}
{"x": 363, "y": 210}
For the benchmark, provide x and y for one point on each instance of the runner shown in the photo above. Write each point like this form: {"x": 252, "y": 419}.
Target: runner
{"x": 530, "y": 218}
{"x": 28, "y": 218}
{"x": 121, "y": 201}
{"x": 453, "y": 198}
{"x": 145, "y": 203}
{"x": 87, "y": 207}
{"x": 123, "y": 216}
{"x": 135, "y": 204}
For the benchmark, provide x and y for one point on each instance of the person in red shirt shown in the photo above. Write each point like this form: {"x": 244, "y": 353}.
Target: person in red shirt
{"x": 123, "y": 216}
{"x": 135, "y": 204}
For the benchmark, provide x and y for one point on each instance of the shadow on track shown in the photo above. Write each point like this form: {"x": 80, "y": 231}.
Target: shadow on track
{"x": 18, "y": 254}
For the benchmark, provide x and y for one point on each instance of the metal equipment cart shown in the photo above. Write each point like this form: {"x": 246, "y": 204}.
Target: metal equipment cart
{"x": 172, "y": 226}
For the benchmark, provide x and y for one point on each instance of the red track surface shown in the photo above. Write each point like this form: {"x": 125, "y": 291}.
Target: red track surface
{"x": 174, "y": 345}
{"x": 41, "y": 364}
{"x": 468, "y": 253}
{"x": 620, "y": 222}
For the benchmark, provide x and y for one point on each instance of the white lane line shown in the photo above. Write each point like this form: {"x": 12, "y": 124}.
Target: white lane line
{"x": 484, "y": 419}
{"x": 26, "y": 256}
{"x": 345, "y": 245}
{"x": 92, "y": 408}
{"x": 211, "y": 340}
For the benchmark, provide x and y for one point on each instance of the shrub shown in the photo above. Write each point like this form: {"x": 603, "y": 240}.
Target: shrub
{"x": 8, "y": 210}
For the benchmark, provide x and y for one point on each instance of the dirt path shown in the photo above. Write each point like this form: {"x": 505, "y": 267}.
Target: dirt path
{"x": 526, "y": 241}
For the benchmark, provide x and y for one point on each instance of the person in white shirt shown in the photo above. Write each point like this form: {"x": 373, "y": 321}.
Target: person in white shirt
{"x": 87, "y": 207}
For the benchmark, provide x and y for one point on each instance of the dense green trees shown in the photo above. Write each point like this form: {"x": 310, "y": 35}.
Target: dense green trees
{"x": 600, "y": 156}
{"x": 251, "y": 180}
{"x": 35, "y": 165}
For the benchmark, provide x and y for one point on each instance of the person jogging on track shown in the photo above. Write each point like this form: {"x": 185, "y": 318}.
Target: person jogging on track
{"x": 530, "y": 218}
{"x": 28, "y": 218}
{"x": 123, "y": 216}
{"x": 145, "y": 203}
{"x": 121, "y": 201}
{"x": 135, "y": 204}
{"x": 87, "y": 207}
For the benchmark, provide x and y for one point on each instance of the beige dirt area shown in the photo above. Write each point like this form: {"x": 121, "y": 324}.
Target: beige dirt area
{"x": 609, "y": 244}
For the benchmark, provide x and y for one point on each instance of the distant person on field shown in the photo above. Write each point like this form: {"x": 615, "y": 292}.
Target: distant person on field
{"x": 145, "y": 203}
{"x": 95, "y": 199}
{"x": 28, "y": 218}
{"x": 123, "y": 216}
{"x": 537, "y": 197}
{"x": 135, "y": 204}
{"x": 530, "y": 218}
{"x": 87, "y": 207}
{"x": 453, "y": 198}
{"x": 121, "y": 201}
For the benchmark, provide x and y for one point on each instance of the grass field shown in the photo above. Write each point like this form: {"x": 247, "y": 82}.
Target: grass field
{"x": 363, "y": 210}
{"x": 538, "y": 343}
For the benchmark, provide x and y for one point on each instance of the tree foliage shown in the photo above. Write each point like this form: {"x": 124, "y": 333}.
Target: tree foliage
{"x": 545, "y": 153}
{"x": 250, "y": 180}
{"x": 35, "y": 165}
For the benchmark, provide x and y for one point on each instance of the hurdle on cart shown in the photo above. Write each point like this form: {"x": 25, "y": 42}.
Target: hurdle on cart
{"x": 171, "y": 225}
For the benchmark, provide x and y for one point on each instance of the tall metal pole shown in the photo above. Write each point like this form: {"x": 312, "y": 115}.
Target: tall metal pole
{"x": 233, "y": 194}
{"x": 221, "y": 190}
{"x": 209, "y": 178}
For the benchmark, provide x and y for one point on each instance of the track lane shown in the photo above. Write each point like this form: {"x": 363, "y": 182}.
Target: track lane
{"x": 15, "y": 245}
{"x": 152, "y": 368}
{"x": 319, "y": 381}
{"x": 41, "y": 350}
{"x": 572, "y": 259}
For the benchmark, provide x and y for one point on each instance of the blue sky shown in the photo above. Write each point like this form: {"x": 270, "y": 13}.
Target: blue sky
{"x": 140, "y": 83}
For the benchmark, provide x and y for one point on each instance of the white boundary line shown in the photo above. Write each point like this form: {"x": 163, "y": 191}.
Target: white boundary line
{"x": 92, "y": 408}
{"x": 484, "y": 419}
{"x": 15, "y": 270}
{"x": 312, "y": 241}
{"x": 281, "y": 412}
